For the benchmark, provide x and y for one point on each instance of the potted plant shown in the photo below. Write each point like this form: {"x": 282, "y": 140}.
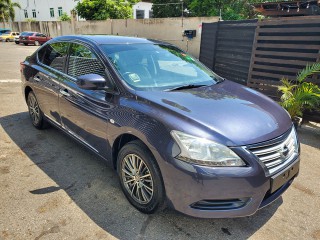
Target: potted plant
{"x": 299, "y": 95}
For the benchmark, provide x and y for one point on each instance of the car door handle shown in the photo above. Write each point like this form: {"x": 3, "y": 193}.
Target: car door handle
{"x": 65, "y": 92}
{"x": 37, "y": 78}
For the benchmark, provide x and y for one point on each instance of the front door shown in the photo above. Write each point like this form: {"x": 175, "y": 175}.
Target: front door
{"x": 83, "y": 112}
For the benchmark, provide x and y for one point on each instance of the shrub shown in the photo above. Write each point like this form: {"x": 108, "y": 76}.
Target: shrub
{"x": 299, "y": 95}
{"x": 65, "y": 17}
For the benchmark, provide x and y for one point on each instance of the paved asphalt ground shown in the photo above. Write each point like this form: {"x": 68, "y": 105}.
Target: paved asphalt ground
{"x": 52, "y": 188}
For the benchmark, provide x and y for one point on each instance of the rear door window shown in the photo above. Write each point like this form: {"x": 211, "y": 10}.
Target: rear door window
{"x": 83, "y": 61}
{"x": 54, "y": 55}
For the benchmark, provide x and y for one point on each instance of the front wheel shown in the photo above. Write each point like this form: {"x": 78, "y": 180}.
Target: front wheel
{"x": 7, "y": 40}
{"x": 16, "y": 42}
{"x": 140, "y": 177}
{"x": 35, "y": 112}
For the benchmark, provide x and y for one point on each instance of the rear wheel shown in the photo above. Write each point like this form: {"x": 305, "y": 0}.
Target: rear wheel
{"x": 35, "y": 112}
{"x": 140, "y": 177}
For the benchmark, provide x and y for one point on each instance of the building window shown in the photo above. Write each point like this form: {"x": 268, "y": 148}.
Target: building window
{"x": 52, "y": 12}
{"x": 150, "y": 14}
{"x": 140, "y": 14}
{"x": 34, "y": 14}
{"x": 26, "y": 13}
{"x": 59, "y": 11}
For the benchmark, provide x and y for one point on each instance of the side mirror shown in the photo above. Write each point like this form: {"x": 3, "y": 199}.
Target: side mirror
{"x": 91, "y": 82}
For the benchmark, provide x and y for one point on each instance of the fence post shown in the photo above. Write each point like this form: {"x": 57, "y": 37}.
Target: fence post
{"x": 253, "y": 53}
{"x": 209, "y": 36}
{"x": 215, "y": 46}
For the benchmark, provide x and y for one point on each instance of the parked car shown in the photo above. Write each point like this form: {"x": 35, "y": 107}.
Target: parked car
{"x": 16, "y": 39}
{"x": 9, "y": 36}
{"x": 175, "y": 132}
{"x": 35, "y": 38}
{"x": 4, "y": 30}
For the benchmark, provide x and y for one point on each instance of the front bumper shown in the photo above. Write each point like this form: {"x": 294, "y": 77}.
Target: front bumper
{"x": 3, "y": 39}
{"x": 227, "y": 192}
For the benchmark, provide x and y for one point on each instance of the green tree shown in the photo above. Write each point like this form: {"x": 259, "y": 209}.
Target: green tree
{"x": 230, "y": 9}
{"x": 169, "y": 8}
{"x": 7, "y": 10}
{"x": 208, "y": 7}
{"x": 105, "y": 9}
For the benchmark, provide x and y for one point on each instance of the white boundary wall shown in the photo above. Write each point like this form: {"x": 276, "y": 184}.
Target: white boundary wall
{"x": 164, "y": 29}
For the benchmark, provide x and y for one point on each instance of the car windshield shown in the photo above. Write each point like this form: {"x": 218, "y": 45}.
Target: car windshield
{"x": 26, "y": 34}
{"x": 151, "y": 67}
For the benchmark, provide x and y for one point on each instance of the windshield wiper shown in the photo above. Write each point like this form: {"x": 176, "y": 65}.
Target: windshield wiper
{"x": 189, "y": 86}
{"x": 218, "y": 79}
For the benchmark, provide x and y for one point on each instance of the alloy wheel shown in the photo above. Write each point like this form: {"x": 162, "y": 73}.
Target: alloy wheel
{"x": 137, "y": 178}
{"x": 34, "y": 109}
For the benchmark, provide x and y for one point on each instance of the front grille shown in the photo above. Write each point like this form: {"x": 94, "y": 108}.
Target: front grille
{"x": 277, "y": 154}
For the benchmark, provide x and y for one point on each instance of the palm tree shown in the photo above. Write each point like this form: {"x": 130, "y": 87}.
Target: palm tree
{"x": 300, "y": 95}
{"x": 7, "y": 10}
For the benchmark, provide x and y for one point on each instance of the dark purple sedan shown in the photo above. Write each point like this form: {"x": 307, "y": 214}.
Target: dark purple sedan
{"x": 177, "y": 134}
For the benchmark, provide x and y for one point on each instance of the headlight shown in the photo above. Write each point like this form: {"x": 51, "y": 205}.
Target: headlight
{"x": 205, "y": 152}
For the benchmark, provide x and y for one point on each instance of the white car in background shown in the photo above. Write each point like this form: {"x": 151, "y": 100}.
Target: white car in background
{"x": 16, "y": 39}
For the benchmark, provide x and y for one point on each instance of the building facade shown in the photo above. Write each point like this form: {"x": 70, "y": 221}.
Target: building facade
{"x": 51, "y": 10}
{"x": 43, "y": 10}
{"x": 142, "y": 10}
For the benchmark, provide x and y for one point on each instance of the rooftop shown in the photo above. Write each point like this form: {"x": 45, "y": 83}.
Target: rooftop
{"x": 107, "y": 39}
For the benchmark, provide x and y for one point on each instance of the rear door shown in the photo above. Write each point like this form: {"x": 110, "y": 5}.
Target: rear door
{"x": 50, "y": 73}
{"x": 40, "y": 38}
{"x": 83, "y": 112}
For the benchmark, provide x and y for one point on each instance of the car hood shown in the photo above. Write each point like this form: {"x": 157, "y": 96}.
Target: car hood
{"x": 235, "y": 115}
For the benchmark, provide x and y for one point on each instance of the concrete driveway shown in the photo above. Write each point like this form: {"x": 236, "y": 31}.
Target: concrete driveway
{"x": 52, "y": 188}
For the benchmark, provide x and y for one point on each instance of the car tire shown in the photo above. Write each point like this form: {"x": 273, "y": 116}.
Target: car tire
{"x": 36, "y": 43}
{"x": 26, "y": 44}
{"x": 7, "y": 40}
{"x": 35, "y": 113}
{"x": 140, "y": 177}
{"x": 16, "y": 42}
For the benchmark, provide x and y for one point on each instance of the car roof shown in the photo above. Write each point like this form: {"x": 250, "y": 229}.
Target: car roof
{"x": 107, "y": 39}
